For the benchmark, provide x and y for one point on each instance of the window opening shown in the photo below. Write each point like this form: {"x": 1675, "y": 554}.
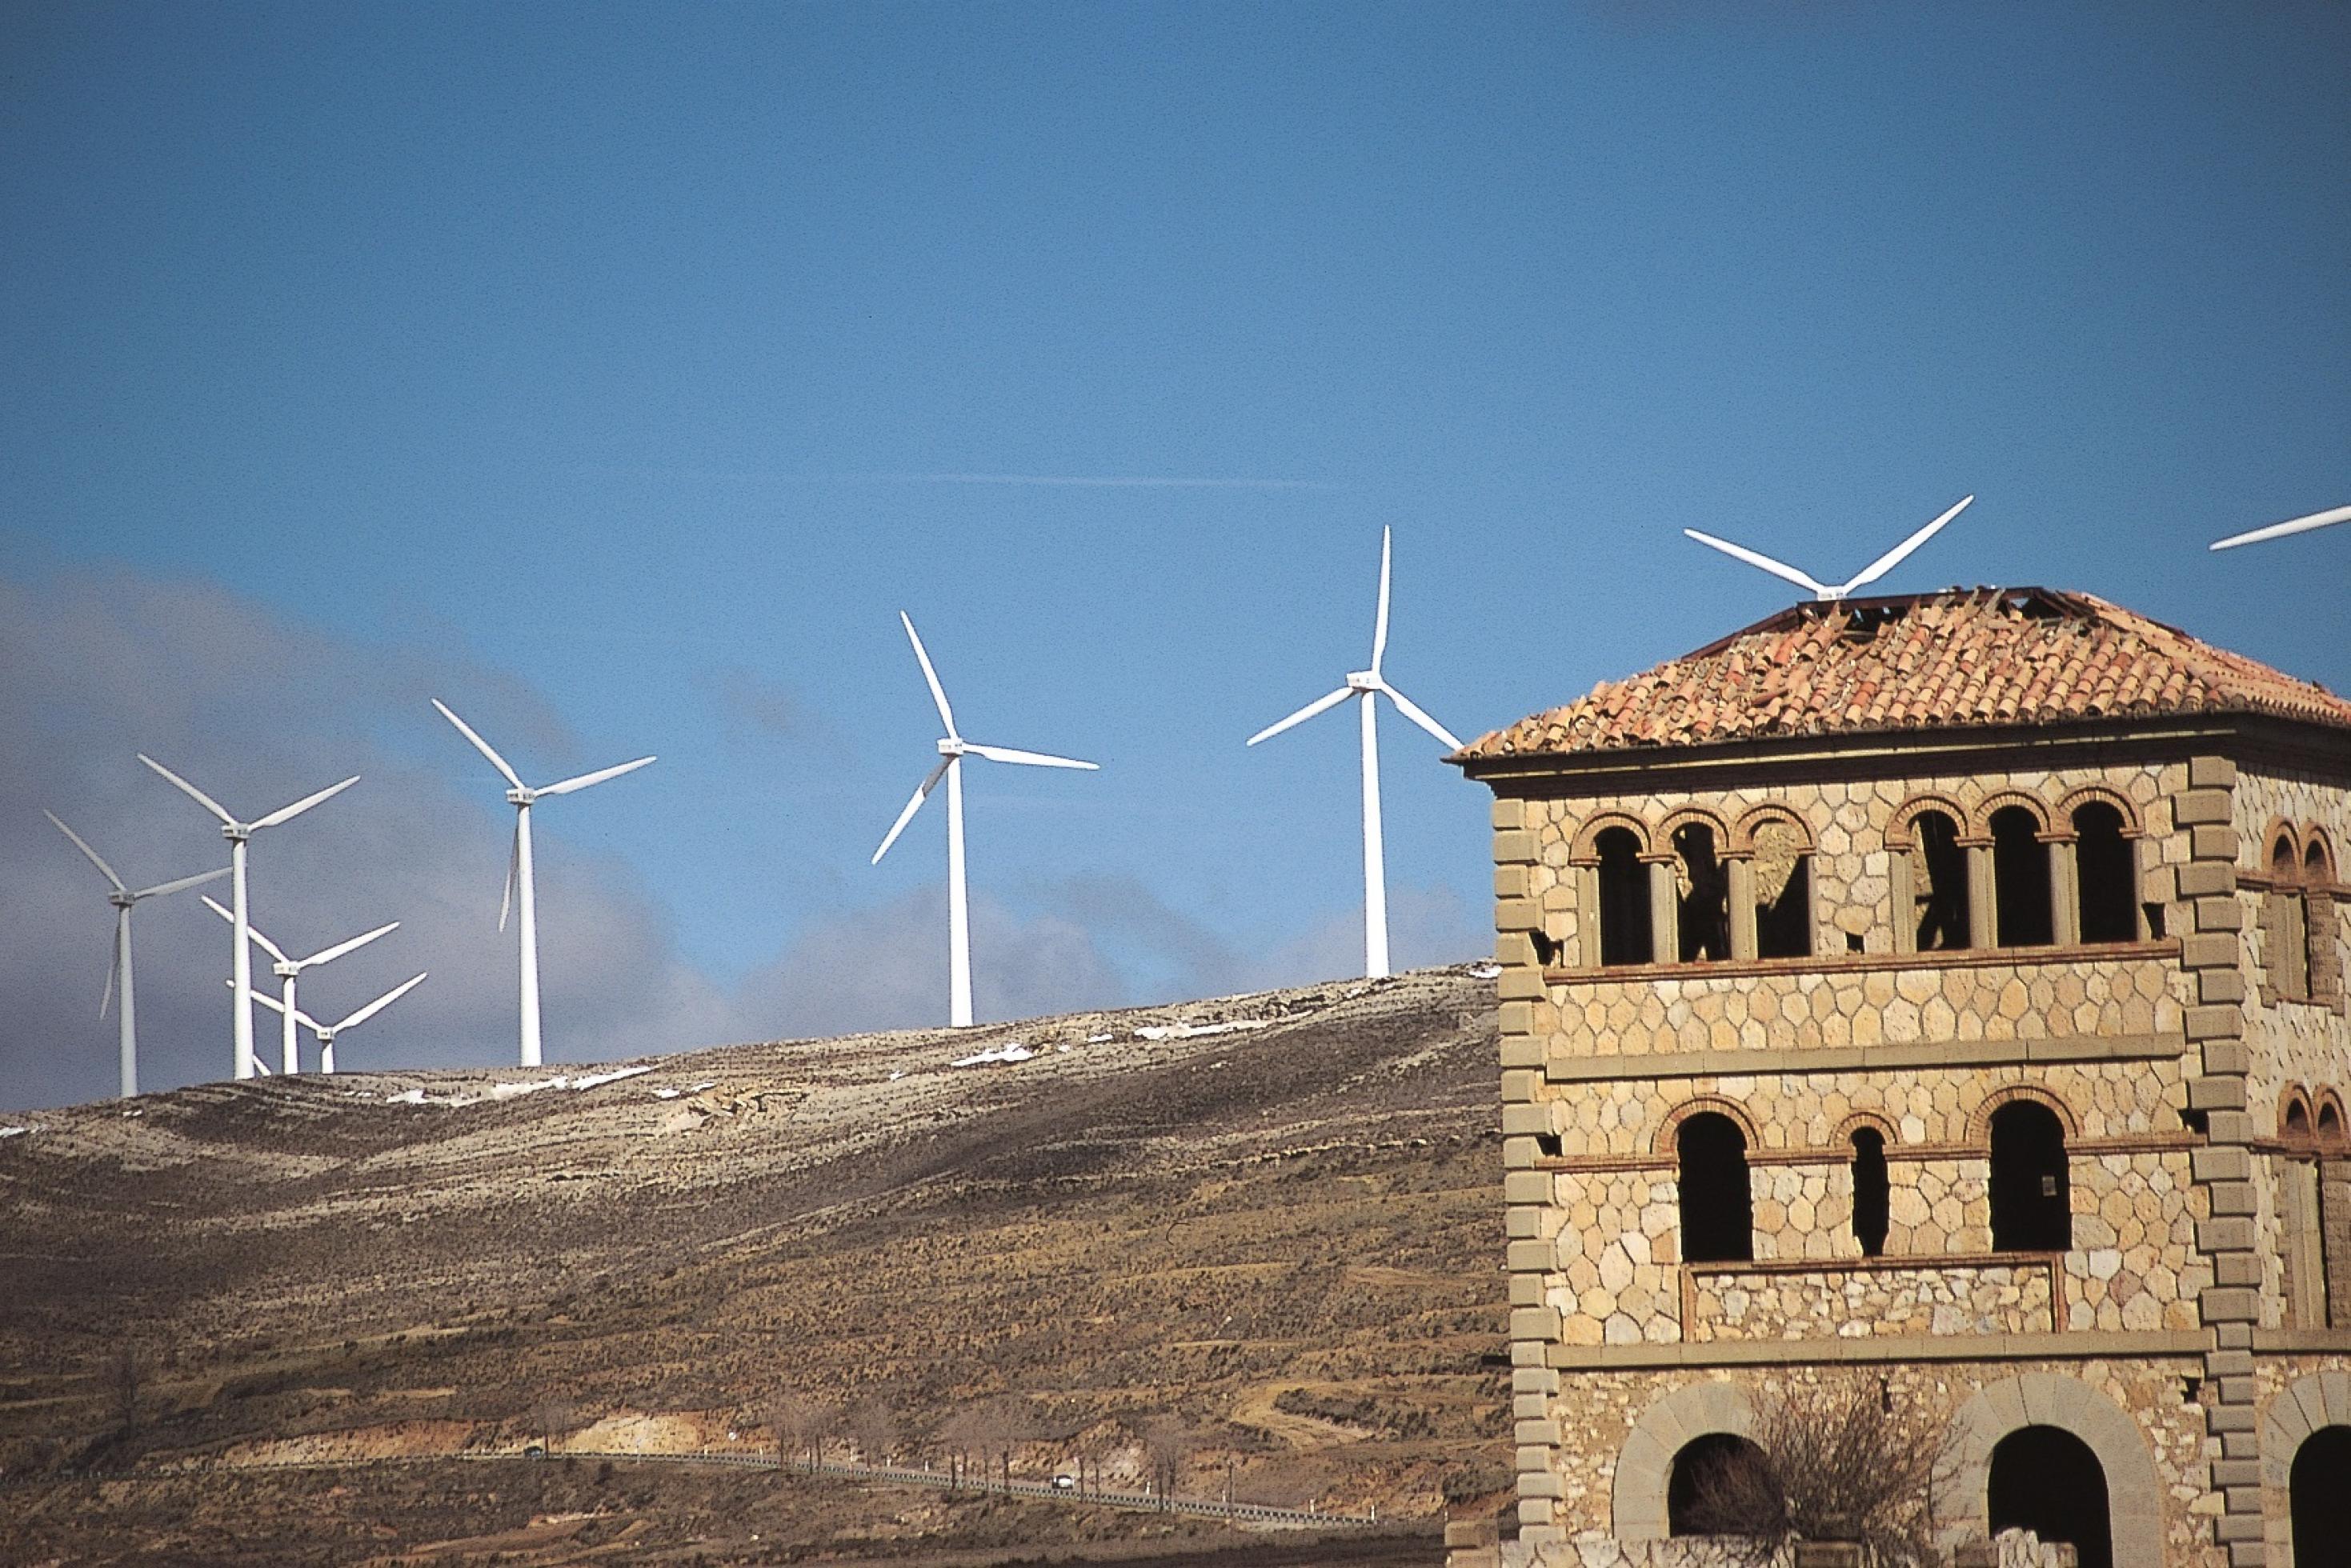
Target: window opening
{"x": 2297, "y": 1121}
{"x": 2321, "y": 974}
{"x": 1715, "y": 1484}
{"x": 1703, "y": 889}
{"x": 2321, "y": 1472}
{"x": 2046, "y": 1479}
{"x": 1623, "y": 897}
{"x": 1718, "y": 1211}
{"x": 2330, "y": 1127}
{"x": 2020, "y": 880}
{"x": 1784, "y": 892}
{"x": 2031, "y": 1207}
{"x": 2288, "y": 941}
{"x": 1872, "y": 1191}
{"x": 2106, "y": 871}
{"x": 1939, "y": 870}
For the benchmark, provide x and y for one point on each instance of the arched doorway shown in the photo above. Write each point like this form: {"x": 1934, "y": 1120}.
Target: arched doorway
{"x": 1716, "y": 1209}
{"x": 2318, "y": 1483}
{"x": 1718, "y": 1485}
{"x": 2046, "y": 1479}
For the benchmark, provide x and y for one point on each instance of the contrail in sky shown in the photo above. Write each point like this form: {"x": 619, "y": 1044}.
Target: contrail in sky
{"x": 1079, "y": 481}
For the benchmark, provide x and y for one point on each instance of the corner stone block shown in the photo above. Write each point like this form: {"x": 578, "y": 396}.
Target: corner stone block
{"x": 2226, "y": 1164}
{"x": 2213, "y": 843}
{"x": 1515, "y": 1018}
{"x": 1520, "y": 1084}
{"x": 2227, "y": 1056}
{"x": 2230, "y": 1198}
{"x": 2249, "y": 1554}
{"x": 2226, "y": 1094}
{"x": 2220, "y": 985}
{"x": 2219, "y": 1304}
{"x": 2236, "y": 1269}
{"x": 1519, "y": 986}
{"x": 1516, "y": 845}
{"x": 1525, "y": 1051}
{"x": 1529, "y": 1257}
{"x": 2213, "y": 950}
{"x": 1542, "y": 1322}
{"x": 1541, "y": 1483}
{"x": 2202, "y": 878}
{"x": 1517, "y": 915}
{"x": 2193, "y": 807}
{"x": 1510, "y": 881}
{"x": 1509, "y": 813}
{"x": 1528, "y": 1186}
{"x": 1528, "y": 1120}
{"x": 2230, "y": 1126}
{"x": 2225, "y": 1235}
{"x": 2220, "y": 915}
{"x": 2215, "y": 1023}
{"x": 2212, "y": 772}
{"x": 1531, "y": 1432}
{"x": 1521, "y": 1222}
{"x": 1532, "y": 1511}
{"x": 1520, "y": 1154}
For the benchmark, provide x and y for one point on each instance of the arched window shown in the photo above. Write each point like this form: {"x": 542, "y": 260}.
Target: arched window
{"x": 2330, "y": 1127}
{"x": 1703, "y": 888}
{"x": 2031, "y": 1200}
{"x": 2106, "y": 874}
{"x": 1623, "y": 897}
{"x": 1939, "y": 876}
{"x": 2282, "y": 915}
{"x": 2019, "y": 880}
{"x": 1872, "y": 1192}
{"x": 2321, "y": 966}
{"x": 1783, "y": 891}
{"x": 1721, "y": 1484}
{"x": 2316, "y": 1484}
{"x": 2046, "y": 1479}
{"x": 1718, "y": 1213}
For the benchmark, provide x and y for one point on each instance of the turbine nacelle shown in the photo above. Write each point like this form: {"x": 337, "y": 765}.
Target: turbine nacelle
{"x": 1365, "y": 681}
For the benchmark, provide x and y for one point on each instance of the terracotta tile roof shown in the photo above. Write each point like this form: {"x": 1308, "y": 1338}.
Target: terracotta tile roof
{"x": 1942, "y": 661}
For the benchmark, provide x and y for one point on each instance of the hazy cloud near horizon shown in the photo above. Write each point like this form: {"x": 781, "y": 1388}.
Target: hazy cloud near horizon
{"x": 258, "y": 711}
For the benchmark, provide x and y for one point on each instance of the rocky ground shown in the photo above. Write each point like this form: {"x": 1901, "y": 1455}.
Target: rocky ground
{"x": 1258, "y": 1236}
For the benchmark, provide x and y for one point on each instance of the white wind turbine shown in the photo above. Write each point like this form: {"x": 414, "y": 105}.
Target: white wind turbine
{"x": 1368, "y": 686}
{"x": 2280, "y": 529}
{"x": 518, "y": 867}
{"x": 326, "y": 1033}
{"x": 288, "y": 971}
{"x": 118, "y": 972}
{"x": 236, "y": 833}
{"x": 953, "y": 748}
{"x": 1822, "y": 591}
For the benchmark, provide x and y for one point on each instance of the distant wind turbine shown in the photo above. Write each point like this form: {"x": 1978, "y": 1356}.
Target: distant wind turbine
{"x": 236, "y": 833}
{"x": 118, "y": 972}
{"x": 289, "y": 970}
{"x": 953, "y": 748}
{"x": 2280, "y": 529}
{"x": 1822, "y": 591}
{"x": 1367, "y": 685}
{"x": 518, "y": 866}
{"x": 326, "y": 1033}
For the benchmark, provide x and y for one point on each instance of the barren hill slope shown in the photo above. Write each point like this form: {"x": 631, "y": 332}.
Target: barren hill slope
{"x": 1271, "y": 1221}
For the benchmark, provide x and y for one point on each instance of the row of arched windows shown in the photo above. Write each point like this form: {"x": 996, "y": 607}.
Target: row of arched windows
{"x": 2298, "y": 917}
{"x": 2031, "y": 1198}
{"x": 2310, "y": 1132}
{"x": 2012, "y": 874}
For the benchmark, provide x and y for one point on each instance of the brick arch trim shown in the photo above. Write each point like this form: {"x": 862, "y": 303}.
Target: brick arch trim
{"x": 1585, "y": 846}
{"x": 1742, "y": 832}
{"x": 2074, "y": 799}
{"x": 1980, "y": 1119}
{"x": 2315, "y": 842}
{"x": 2134, "y": 1494}
{"x": 1669, "y": 1128}
{"x": 1881, "y": 1126}
{"x": 2328, "y": 1100}
{"x": 2301, "y": 1408}
{"x": 1682, "y": 816}
{"x": 1898, "y": 826}
{"x": 2025, "y": 800}
{"x": 1645, "y": 1465}
{"x": 2280, "y": 829}
{"x": 2294, "y": 1095}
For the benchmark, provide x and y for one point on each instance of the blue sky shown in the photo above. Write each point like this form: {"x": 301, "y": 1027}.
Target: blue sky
{"x": 617, "y": 373}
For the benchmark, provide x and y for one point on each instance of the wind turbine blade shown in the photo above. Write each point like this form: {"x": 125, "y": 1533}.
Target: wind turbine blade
{"x": 1777, "y": 568}
{"x": 922, "y": 792}
{"x": 86, "y": 849}
{"x": 289, "y": 812}
{"x": 113, "y": 967}
{"x": 2275, "y": 531}
{"x": 1412, "y": 711}
{"x": 263, "y": 943}
{"x": 380, "y": 1003}
{"x": 480, "y": 744}
{"x": 271, "y": 1003}
{"x": 938, "y": 692}
{"x": 1320, "y": 704}
{"x": 1034, "y": 758}
{"x": 198, "y": 880}
{"x": 340, "y": 949}
{"x": 1893, "y": 558}
{"x": 199, "y": 797}
{"x": 514, "y": 868}
{"x": 598, "y": 776}
{"x": 1379, "y": 626}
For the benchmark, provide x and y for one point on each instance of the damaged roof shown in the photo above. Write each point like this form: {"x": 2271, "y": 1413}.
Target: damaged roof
{"x": 1959, "y": 658}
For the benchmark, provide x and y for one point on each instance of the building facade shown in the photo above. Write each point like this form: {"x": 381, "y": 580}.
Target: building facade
{"x": 1948, "y": 992}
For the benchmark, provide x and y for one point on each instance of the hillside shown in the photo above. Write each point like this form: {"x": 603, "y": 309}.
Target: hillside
{"x": 1266, "y": 1228}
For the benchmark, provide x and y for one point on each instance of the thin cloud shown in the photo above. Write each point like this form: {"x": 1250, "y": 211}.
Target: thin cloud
{"x": 1068, "y": 480}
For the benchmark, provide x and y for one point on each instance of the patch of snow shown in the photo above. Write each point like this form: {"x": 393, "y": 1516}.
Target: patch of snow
{"x": 1098, "y": 1039}
{"x": 1486, "y": 970}
{"x": 14, "y": 1132}
{"x": 509, "y": 1091}
{"x": 406, "y": 1097}
{"x": 593, "y": 1079}
{"x": 1190, "y": 1031}
{"x": 1010, "y": 1051}
{"x": 1064, "y": 1048}
{"x": 706, "y": 1083}
{"x": 898, "y": 1074}
{"x": 134, "y": 1111}
{"x": 667, "y": 1093}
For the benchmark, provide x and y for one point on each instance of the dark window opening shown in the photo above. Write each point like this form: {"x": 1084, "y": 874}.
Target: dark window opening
{"x": 1872, "y": 1192}
{"x": 1704, "y": 893}
{"x": 2046, "y": 1479}
{"x": 2330, "y": 1127}
{"x": 2297, "y": 1121}
{"x": 2031, "y": 1200}
{"x": 2019, "y": 880}
{"x": 2321, "y": 973}
{"x": 2197, "y": 1122}
{"x": 1546, "y": 949}
{"x": 1717, "y": 1210}
{"x": 1939, "y": 869}
{"x": 1784, "y": 892}
{"x": 1548, "y": 1144}
{"x": 2153, "y": 913}
{"x": 1715, "y": 1485}
{"x": 1623, "y": 897}
{"x": 2316, "y": 1484}
{"x": 2106, "y": 873}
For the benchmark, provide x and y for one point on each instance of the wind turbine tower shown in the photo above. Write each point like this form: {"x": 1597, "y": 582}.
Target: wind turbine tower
{"x": 326, "y": 1033}
{"x": 953, "y": 748}
{"x": 238, "y": 833}
{"x": 289, "y": 970}
{"x": 1367, "y": 685}
{"x": 117, "y": 974}
{"x": 520, "y": 870}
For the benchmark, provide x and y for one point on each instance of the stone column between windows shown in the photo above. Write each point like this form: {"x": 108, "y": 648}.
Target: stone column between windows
{"x": 1665, "y": 908}
{"x": 1739, "y": 871}
{"x": 2211, "y": 953}
{"x": 1526, "y": 1191}
{"x": 1983, "y": 908}
{"x": 1905, "y": 895}
{"x": 2064, "y": 889}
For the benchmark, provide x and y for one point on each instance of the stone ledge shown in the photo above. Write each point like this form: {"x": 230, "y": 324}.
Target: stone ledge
{"x": 2287, "y": 1341}
{"x": 1865, "y": 964}
{"x": 2188, "y": 1345}
{"x": 1866, "y": 1058}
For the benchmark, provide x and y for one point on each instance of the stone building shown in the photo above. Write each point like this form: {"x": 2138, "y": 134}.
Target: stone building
{"x": 1946, "y": 991}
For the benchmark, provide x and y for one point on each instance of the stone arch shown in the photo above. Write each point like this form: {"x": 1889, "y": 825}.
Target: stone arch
{"x": 2000, "y": 800}
{"x": 1898, "y": 827}
{"x": 2316, "y": 851}
{"x": 1683, "y": 815}
{"x": 2301, "y": 1408}
{"x": 1645, "y": 1466}
{"x": 1663, "y": 1142}
{"x": 1855, "y": 1121}
{"x": 2080, "y": 795}
{"x": 1980, "y": 1119}
{"x": 2332, "y": 1128}
{"x": 1742, "y": 832}
{"x": 1582, "y": 849}
{"x": 2134, "y": 1494}
{"x": 2296, "y": 1121}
